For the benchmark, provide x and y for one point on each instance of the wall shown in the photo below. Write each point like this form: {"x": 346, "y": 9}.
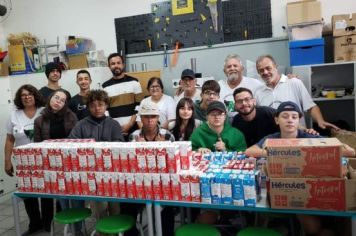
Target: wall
{"x": 92, "y": 18}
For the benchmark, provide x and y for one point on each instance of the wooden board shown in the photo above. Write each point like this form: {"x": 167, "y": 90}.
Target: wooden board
{"x": 144, "y": 77}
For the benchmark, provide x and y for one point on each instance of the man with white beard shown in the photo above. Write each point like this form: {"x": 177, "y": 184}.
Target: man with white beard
{"x": 233, "y": 70}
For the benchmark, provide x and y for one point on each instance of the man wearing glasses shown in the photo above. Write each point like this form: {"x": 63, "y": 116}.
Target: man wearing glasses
{"x": 210, "y": 92}
{"x": 216, "y": 134}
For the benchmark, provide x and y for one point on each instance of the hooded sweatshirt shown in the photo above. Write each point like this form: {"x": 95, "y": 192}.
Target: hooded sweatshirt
{"x": 204, "y": 137}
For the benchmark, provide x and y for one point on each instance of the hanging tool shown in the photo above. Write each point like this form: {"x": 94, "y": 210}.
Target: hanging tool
{"x": 165, "y": 56}
{"x": 212, "y": 4}
{"x": 149, "y": 42}
{"x": 174, "y": 60}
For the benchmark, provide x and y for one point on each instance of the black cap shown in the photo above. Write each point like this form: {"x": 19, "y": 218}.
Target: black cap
{"x": 188, "y": 73}
{"x": 216, "y": 105}
{"x": 51, "y": 66}
{"x": 288, "y": 106}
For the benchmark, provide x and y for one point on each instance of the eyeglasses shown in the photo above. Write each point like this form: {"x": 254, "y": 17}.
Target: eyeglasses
{"x": 155, "y": 87}
{"x": 246, "y": 100}
{"x": 26, "y": 95}
{"x": 217, "y": 114}
{"x": 210, "y": 93}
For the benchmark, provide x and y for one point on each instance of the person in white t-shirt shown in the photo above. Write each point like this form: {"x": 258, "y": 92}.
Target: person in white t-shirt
{"x": 278, "y": 88}
{"x": 187, "y": 87}
{"x": 20, "y": 131}
{"x": 233, "y": 70}
{"x": 166, "y": 104}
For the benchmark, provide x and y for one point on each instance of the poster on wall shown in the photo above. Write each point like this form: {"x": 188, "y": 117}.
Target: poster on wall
{"x": 181, "y": 7}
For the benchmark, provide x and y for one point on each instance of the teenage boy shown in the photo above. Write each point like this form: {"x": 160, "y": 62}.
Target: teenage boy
{"x": 210, "y": 92}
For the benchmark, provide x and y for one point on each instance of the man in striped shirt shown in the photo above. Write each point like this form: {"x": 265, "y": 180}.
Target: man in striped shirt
{"x": 125, "y": 94}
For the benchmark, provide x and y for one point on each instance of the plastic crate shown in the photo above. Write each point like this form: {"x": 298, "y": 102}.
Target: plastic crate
{"x": 305, "y": 52}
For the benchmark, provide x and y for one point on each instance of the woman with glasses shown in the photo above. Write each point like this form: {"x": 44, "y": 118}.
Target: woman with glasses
{"x": 165, "y": 103}
{"x": 216, "y": 134}
{"x": 56, "y": 122}
{"x": 20, "y": 129}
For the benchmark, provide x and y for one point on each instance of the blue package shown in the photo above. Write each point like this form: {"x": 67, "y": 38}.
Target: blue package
{"x": 237, "y": 189}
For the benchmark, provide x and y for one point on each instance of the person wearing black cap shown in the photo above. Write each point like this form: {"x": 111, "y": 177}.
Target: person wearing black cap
{"x": 188, "y": 88}
{"x": 216, "y": 134}
{"x": 287, "y": 116}
{"x": 53, "y": 73}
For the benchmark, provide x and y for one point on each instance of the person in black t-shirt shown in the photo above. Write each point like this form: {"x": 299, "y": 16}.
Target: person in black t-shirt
{"x": 255, "y": 122}
{"x": 78, "y": 103}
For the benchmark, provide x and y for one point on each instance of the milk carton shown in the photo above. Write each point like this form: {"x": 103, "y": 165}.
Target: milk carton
{"x": 205, "y": 187}
{"x": 237, "y": 189}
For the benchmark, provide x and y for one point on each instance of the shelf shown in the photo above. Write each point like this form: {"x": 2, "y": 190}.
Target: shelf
{"x": 320, "y": 99}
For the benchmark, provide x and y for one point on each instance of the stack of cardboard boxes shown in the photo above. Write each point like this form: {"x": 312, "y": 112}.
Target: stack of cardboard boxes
{"x": 308, "y": 174}
{"x": 344, "y": 32}
{"x": 305, "y": 32}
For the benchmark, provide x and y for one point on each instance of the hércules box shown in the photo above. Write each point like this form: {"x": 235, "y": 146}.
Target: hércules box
{"x": 317, "y": 157}
{"x": 311, "y": 193}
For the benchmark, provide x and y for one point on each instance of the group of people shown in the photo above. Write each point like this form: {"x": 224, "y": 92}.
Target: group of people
{"x": 233, "y": 114}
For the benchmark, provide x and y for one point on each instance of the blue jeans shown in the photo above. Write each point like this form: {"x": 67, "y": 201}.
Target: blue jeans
{"x": 75, "y": 204}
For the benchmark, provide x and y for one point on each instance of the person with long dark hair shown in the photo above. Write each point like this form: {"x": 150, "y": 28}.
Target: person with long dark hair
{"x": 185, "y": 123}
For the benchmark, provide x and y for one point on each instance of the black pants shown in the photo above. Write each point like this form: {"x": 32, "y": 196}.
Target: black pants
{"x": 38, "y": 220}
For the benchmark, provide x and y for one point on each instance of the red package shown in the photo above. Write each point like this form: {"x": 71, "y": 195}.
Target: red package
{"x": 133, "y": 165}
{"x": 173, "y": 159}
{"x": 77, "y": 183}
{"x": 116, "y": 159}
{"x": 20, "y": 181}
{"x": 27, "y": 181}
{"x": 99, "y": 162}
{"x": 67, "y": 158}
{"x": 195, "y": 187}
{"x": 124, "y": 161}
{"x": 140, "y": 189}
{"x": 161, "y": 160}
{"x": 107, "y": 159}
{"x": 166, "y": 187}
{"x": 16, "y": 152}
{"x": 99, "y": 183}
{"x": 91, "y": 159}
{"x": 69, "y": 183}
{"x": 115, "y": 184}
{"x": 151, "y": 160}
{"x": 34, "y": 177}
{"x": 47, "y": 180}
{"x": 92, "y": 183}
{"x": 59, "y": 160}
{"x": 147, "y": 180}
{"x": 122, "y": 185}
{"x": 52, "y": 159}
{"x": 40, "y": 181}
{"x": 107, "y": 184}
{"x": 54, "y": 182}
{"x": 185, "y": 186}
{"x": 157, "y": 186}
{"x": 176, "y": 189}
{"x": 185, "y": 152}
{"x": 141, "y": 160}
{"x": 131, "y": 186}
{"x": 24, "y": 160}
{"x": 61, "y": 182}
{"x": 31, "y": 159}
{"x": 84, "y": 182}
{"x": 74, "y": 160}
{"x": 82, "y": 158}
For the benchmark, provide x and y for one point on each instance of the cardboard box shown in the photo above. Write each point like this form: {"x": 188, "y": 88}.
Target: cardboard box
{"x": 303, "y": 12}
{"x": 305, "y": 52}
{"x": 320, "y": 157}
{"x": 4, "y": 69}
{"x": 345, "y": 48}
{"x": 344, "y": 24}
{"x": 77, "y": 61}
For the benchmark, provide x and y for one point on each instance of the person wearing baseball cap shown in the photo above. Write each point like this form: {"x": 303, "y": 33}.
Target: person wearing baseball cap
{"x": 216, "y": 134}
{"x": 187, "y": 86}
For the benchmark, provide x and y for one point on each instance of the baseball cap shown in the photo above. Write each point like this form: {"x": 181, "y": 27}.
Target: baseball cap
{"x": 188, "y": 73}
{"x": 149, "y": 108}
{"x": 288, "y": 106}
{"x": 216, "y": 105}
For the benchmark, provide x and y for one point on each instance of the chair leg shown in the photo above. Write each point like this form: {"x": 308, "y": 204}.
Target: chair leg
{"x": 93, "y": 233}
{"x": 84, "y": 227}
{"x": 65, "y": 231}
{"x": 52, "y": 227}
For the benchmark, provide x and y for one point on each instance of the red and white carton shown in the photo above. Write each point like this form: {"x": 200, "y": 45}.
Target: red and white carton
{"x": 54, "y": 182}
{"x": 140, "y": 189}
{"x": 166, "y": 187}
{"x": 74, "y": 160}
{"x": 176, "y": 189}
{"x": 99, "y": 179}
{"x": 122, "y": 185}
{"x": 82, "y": 157}
{"x": 141, "y": 159}
{"x": 52, "y": 159}
{"x": 185, "y": 186}
{"x": 40, "y": 181}
{"x": 107, "y": 184}
{"x": 24, "y": 159}
{"x": 195, "y": 187}
{"x": 61, "y": 182}
{"x": 161, "y": 155}
{"x": 124, "y": 159}
{"x": 77, "y": 183}
{"x": 47, "y": 180}
{"x": 16, "y": 152}
{"x": 185, "y": 151}
{"x": 147, "y": 180}
{"x": 131, "y": 186}
{"x": 115, "y": 184}
{"x": 107, "y": 159}
{"x": 45, "y": 158}
{"x": 31, "y": 159}
{"x": 34, "y": 177}
{"x": 133, "y": 165}
{"x": 91, "y": 159}
{"x": 20, "y": 181}
{"x": 157, "y": 186}
{"x": 27, "y": 181}
{"x": 67, "y": 165}
{"x": 92, "y": 183}
{"x": 99, "y": 162}
{"x": 69, "y": 182}
{"x": 84, "y": 182}
{"x": 116, "y": 165}
{"x": 151, "y": 159}
{"x": 59, "y": 160}
{"x": 173, "y": 159}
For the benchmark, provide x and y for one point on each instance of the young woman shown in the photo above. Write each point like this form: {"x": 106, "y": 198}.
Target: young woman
{"x": 19, "y": 129}
{"x": 56, "y": 122}
{"x": 164, "y": 102}
{"x": 185, "y": 123}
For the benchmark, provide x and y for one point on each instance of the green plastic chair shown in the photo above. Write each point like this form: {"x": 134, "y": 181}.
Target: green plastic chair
{"x": 114, "y": 224}
{"x": 197, "y": 230}
{"x": 70, "y": 216}
{"x": 256, "y": 231}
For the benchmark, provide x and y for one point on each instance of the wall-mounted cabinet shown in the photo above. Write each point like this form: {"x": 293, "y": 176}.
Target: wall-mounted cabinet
{"x": 332, "y": 88}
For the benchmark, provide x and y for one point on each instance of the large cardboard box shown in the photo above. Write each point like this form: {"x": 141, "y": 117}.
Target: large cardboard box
{"x": 77, "y": 61}
{"x": 318, "y": 157}
{"x": 344, "y": 24}
{"x": 345, "y": 48}
{"x": 303, "y": 12}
